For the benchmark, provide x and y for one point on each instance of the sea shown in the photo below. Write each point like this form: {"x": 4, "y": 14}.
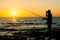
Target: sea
{"x": 13, "y": 23}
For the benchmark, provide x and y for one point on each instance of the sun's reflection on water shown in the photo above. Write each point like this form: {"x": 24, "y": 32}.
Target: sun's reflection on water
{"x": 14, "y": 20}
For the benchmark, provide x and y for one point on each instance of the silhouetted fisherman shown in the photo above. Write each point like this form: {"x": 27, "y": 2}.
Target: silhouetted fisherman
{"x": 49, "y": 19}
{"x": 49, "y": 22}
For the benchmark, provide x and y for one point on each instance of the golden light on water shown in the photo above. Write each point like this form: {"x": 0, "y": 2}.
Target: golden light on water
{"x": 14, "y": 20}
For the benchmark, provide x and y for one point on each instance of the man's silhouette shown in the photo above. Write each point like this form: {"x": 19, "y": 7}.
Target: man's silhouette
{"x": 49, "y": 22}
{"x": 49, "y": 19}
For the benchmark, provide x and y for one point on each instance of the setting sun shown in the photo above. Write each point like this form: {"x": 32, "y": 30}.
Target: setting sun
{"x": 14, "y": 13}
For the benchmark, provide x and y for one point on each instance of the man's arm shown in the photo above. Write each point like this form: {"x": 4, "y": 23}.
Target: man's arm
{"x": 46, "y": 13}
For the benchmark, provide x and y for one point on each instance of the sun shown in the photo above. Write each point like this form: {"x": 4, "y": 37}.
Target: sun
{"x": 13, "y": 12}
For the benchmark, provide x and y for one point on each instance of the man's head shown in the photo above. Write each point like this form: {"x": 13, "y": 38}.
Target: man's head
{"x": 49, "y": 11}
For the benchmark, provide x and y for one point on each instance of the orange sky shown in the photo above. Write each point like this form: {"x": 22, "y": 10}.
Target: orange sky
{"x": 37, "y": 6}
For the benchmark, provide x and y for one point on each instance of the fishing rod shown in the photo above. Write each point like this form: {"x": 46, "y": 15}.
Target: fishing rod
{"x": 33, "y": 13}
